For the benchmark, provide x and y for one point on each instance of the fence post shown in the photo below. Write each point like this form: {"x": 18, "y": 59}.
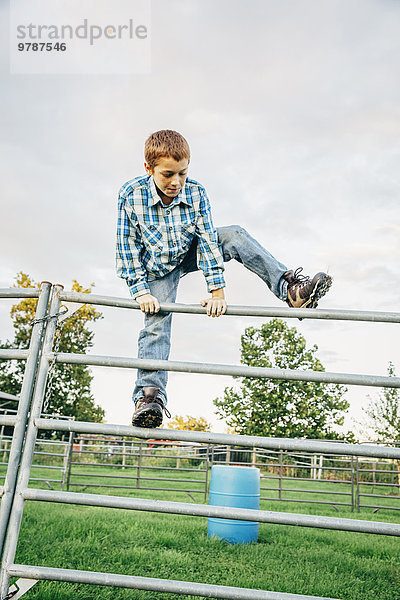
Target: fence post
{"x": 5, "y": 451}
{"x": 312, "y": 470}
{"x": 65, "y": 464}
{"x": 207, "y": 467}
{"x": 139, "y": 464}
{"x": 131, "y": 452}
{"x": 15, "y": 516}
{"x": 397, "y": 464}
{"x": 352, "y": 483}
{"x": 70, "y": 453}
{"x": 212, "y": 456}
{"x": 123, "y": 455}
{"x": 2, "y": 431}
{"x": 357, "y": 485}
{"x": 228, "y": 455}
{"x": 23, "y": 408}
{"x": 321, "y": 463}
{"x": 253, "y": 457}
{"x": 178, "y": 460}
{"x": 280, "y": 474}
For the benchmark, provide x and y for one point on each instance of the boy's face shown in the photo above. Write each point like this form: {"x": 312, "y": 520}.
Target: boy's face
{"x": 169, "y": 175}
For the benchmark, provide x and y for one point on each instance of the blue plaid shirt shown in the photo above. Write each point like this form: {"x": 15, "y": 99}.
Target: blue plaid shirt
{"x": 152, "y": 239}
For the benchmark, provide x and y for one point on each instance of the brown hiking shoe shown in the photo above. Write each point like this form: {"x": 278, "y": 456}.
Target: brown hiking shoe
{"x": 149, "y": 409}
{"x": 304, "y": 292}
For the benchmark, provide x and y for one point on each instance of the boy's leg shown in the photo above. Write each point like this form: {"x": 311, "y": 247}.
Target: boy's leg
{"x": 154, "y": 343}
{"x": 290, "y": 286}
{"x": 237, "y": 243}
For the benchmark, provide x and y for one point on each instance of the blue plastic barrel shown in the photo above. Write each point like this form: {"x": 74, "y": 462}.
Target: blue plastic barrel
{"x": 237, "y": 487}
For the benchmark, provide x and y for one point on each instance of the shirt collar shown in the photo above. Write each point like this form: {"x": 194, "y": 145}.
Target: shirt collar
{"x": 154, "y": 197}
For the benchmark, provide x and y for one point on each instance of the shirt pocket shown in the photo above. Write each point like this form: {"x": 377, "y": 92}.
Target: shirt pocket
{"x": 187, "y": 230}
{"x": 152, "y": 236}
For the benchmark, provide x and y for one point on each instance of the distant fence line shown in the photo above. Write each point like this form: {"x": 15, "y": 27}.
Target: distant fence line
{"x": 150, "y": 465}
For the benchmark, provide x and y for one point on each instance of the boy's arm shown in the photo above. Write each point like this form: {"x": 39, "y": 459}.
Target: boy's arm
{"x": 209, "y": 259}
{"x": 128, "y": 262}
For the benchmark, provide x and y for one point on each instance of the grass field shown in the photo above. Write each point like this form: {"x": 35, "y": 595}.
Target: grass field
{"x": 334, "y": 564}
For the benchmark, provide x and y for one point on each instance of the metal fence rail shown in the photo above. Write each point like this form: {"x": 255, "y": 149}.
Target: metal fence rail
{"x": 152, "y": 585}
{"x": 22, "y": 492}
{"x": 10, "y": 397}
{"x": 41, "y": 455}
{"x": 133, "y": 456}
{"x": 366, "y": 489}
{"x": 243, "y": 311}
{"x": 234, "y": 370}
{"x": 15, "y": 292}
{"x": 330, "y": 496}
{"x": 8, "y": 420}
{"x": 219, "y": 512}
{"x": 31, "y": 356}
{"x": 204, "y": 437}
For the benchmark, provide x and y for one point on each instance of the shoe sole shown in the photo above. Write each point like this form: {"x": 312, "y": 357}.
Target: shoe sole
{"x": 320, "y": 290}
{"x": 149, "y": 417}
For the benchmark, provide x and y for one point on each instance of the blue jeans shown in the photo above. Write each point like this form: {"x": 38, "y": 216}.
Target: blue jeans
{"x": 154, "y": 339}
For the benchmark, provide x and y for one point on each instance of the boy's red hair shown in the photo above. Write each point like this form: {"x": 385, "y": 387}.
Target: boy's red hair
{"x": 165, "y": 143}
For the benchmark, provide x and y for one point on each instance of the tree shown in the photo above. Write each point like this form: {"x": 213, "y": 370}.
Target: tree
{"x": 280, "y": 408}
{"x": 70, "y": 391}
{"x": 189, "y": 423}
{"x": 383, "y": 413}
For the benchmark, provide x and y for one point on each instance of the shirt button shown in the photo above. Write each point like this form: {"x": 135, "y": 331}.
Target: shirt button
{"x": 168, "y": 211}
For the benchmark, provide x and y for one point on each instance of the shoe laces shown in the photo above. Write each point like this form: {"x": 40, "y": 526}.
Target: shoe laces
{"x": 165, "y": 409}
{"x": 298, "y": 278}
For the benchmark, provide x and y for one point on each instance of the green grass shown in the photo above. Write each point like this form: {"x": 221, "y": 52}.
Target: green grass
{"x": 316, "y": 562}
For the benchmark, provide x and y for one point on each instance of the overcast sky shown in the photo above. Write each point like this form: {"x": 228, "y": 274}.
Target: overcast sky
{"x": 292, "y": 113}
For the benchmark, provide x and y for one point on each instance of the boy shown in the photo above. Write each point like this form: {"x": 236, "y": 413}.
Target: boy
{"x": 165, "y": 231}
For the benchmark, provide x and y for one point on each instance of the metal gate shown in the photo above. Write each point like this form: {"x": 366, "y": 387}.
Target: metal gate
{"x": 16, "y": 490}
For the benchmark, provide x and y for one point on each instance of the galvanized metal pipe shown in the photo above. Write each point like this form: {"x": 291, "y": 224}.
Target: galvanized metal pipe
{"x": 380, "y": 507}
{"x": 234, "y": 370}
{"x": 331, "y": 503}
{"x": 5, "y": 396}
{"x": 140, "y": 487}
{"x": 20, "y": 292}
{"x": 244, "y": 311}
{"x": 47, "y": 467}
{"x": 32, "y": 356}
{"x": 8, "y": 420}
{"x": 13, "y": 354}
{"x": 15, "y": 516}
{"x": 104, "y": 475}
{"x": 381, "y": 496}
{"x": 151, "y": 584}
{"x": 206, "y": 437}
{"x": 219, "y": 512}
